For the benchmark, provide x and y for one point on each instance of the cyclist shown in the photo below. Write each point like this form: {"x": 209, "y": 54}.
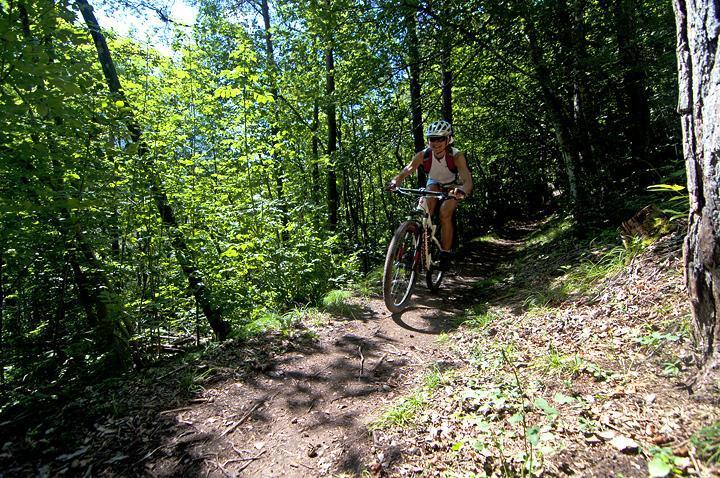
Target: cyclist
{"x": 446, "y": 168}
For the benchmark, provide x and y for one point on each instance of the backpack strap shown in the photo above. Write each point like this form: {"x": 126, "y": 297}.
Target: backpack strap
{"x": 449, "y": 160}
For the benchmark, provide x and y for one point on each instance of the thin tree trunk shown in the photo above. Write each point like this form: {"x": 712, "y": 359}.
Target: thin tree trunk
{"x": 447, "y": 76}
{"x": 332, "y": 192}
{"x": 315, "y": 153}
{"x": 698, "y": 28}
{"x": 272, "y": 73}
{"x": 415, "y": 92}
{"x": 633, "y": 80}
{"x": 93, "y": 286}
{"x": 2, "y": 318}
{"x": 167, "y": 215}
{"x": 563, "y": 126}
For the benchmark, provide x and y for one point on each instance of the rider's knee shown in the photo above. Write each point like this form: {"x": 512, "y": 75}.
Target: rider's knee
{"x": 446, "y": 211}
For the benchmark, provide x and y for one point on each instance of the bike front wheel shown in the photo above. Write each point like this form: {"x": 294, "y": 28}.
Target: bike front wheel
{"x": 401, "y": 266}
{"x": 434, "y": 275}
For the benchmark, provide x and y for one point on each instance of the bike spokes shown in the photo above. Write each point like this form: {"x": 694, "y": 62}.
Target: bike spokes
{"x": 400, "y": 266}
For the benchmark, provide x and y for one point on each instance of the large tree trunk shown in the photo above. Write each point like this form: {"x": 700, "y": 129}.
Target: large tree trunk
{"x": 698, "y": 27}
{"x": 167, "y": 215}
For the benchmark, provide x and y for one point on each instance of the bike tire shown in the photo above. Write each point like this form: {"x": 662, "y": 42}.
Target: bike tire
{"x": 401, "y": 266}
{"x": 433, "y": 275}
{"x": 433, "y": 279}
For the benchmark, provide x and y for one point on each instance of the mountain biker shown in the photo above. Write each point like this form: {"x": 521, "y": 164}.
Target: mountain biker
{"x": 447, "y": 169}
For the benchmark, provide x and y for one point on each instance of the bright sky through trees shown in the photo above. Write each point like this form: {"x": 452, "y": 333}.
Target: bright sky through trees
{"x": 146, "y": 26}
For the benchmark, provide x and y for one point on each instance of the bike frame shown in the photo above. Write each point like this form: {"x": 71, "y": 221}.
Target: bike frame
{"x": 429, "y": 228}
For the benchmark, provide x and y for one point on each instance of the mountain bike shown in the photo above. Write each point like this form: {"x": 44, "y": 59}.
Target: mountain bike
{"x": 414, "y": 248}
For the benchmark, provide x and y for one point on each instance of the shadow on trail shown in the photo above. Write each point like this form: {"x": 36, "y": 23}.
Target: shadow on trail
{"x": 219, "y": 414}
{"x": 464, "y": 285}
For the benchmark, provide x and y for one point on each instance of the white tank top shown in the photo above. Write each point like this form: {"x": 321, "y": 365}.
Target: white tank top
{"x": 439, "y": 170}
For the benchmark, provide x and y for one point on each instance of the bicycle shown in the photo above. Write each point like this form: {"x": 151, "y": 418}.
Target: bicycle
{"x": 414, "y": 247}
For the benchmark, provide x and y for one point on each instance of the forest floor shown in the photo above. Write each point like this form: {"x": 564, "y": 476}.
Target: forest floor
{"x": 526, "y": 363}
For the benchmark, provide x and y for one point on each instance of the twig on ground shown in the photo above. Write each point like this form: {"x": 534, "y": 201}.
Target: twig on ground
{"x": 250, "y": 460}
{"x": 320, "y": 371}
{"x": 181, "y": 409}
{"x": 221, "y": 468}
{"x": 175, "y": 370}
{"x": 232, "y": 427}
{"x": 696, "y": 465}
{"x": 378, "y": 363}
{"x": 362, "y": 360}
{"x": 148, "y": 455}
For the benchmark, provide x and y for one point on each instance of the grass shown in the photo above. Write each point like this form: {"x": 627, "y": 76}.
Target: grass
{"x": 478, "y": 317}
{"x": 407, "y": 410}
{"x": 555, "y": 363}
{"x": 707, "y": 443}
{"x": 555, "y": 228}
{"x": 580, "y": 276}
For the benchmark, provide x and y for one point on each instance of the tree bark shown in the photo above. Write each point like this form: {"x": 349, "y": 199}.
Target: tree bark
{"x": 165, "y": 210}
{"x": 562, "y": 122}
{"x": 415, "y": 92}
{"x": 315, "y": 153}
{"x": 698, "y": 27}
{"x": 332, "y": 192}
{"x": 633, "y": 81}
{"x": 272, "y": 72}
{"x": 447, "y": 77}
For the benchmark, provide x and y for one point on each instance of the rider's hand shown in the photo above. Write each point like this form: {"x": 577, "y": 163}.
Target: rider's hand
{"x": 458, "y": 194}
{"x": 392, "y": 185}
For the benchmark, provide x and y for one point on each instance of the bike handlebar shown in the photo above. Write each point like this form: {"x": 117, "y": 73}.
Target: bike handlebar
{"x": 422, "y": 192}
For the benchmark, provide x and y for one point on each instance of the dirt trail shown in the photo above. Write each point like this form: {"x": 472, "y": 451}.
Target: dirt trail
{"x": 307, "y": 415}
{"x": 304, "y": 414}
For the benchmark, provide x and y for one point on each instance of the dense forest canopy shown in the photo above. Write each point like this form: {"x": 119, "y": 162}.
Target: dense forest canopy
{"x": 146, "y": 195}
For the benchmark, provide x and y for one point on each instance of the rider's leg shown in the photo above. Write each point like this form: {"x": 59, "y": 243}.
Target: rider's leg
{"x": 432, "y": 202}
{"x": 446, "y": 224}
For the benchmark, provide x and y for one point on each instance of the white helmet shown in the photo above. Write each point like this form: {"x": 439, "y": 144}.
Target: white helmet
{"x": 439, "y": 128}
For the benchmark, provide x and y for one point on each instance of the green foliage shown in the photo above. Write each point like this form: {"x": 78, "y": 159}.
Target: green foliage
{"x": 478, "y": 317}
{"x": 334, "y": 301}
{"x": 407, "y": 409}
{"x": 707, "y": 443}
{"x": 91, "y": 275}
{"x": 675, "y": 201}
{"x": 401, "y": 414}
{"x": 555, "y": 363}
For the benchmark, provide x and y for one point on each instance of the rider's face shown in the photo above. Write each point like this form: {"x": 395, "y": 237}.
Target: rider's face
{"x": 438, "y": 145}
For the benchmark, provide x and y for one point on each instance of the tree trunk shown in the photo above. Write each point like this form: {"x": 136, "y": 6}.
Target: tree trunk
{"x": 272, "y": 72}
{"x": 315, "y": 153}
{"x": 633, "y": 81}
{"x": 415, "y": 98}
{"x": 167, "y": 215}
{"x": 94, "y": 290}
{"x": 561, "y": 121}
{"x": 698, "y": 26}
{"x": 2, "y": 318}
{"x": 332, "y": 192}
{"x": 447, "y": 110}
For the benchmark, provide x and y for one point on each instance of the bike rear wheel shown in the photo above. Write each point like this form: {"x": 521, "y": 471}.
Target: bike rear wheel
{"x": 401, "y": 266}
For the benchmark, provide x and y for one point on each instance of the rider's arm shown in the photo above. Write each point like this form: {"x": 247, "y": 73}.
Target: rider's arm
{"x": 464, "y": 173}
{"x": 408, "y": 170}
